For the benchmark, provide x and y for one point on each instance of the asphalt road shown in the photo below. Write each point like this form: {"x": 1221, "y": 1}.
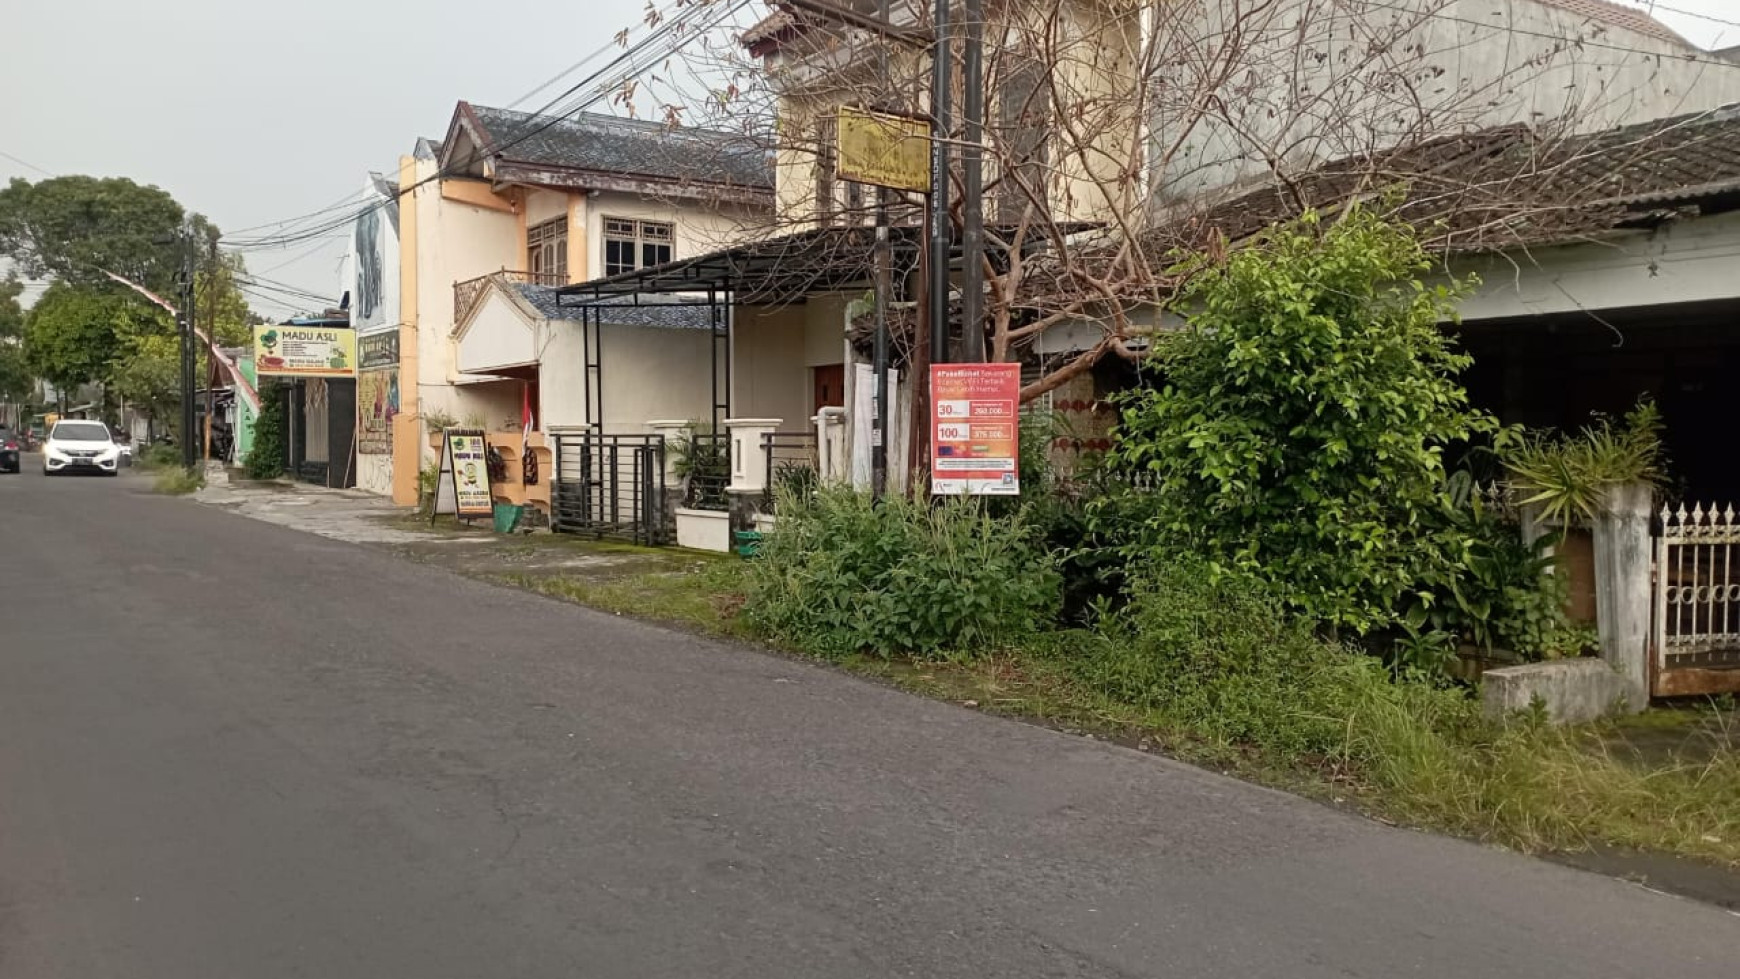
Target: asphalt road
{"x": 228, "y": 749}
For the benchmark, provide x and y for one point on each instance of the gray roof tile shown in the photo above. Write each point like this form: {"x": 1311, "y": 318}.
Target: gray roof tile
{"x": 624, "y": 147}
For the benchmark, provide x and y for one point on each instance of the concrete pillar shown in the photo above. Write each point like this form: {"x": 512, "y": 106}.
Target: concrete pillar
{"x": 1622, "y": 586}
{"x": 672, "y": 430}
{"x": 748, "y": 455}
{"x": 832, "y": 466}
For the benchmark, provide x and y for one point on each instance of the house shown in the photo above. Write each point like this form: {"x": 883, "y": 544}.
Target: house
{"x": 507, "y": 201}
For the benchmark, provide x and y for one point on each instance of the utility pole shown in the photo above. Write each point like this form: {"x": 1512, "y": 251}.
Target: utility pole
{"x": 884, "y": 258}
{"x": 187, "y": 359}
{"x": 210, "y": 350}
{"x": 973, "y": 186}
{"x": 941, "y": 232}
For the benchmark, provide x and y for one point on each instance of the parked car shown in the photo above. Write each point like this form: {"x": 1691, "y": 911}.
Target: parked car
{"x": 80, "y": 446}
{"x": 10, "y": 447}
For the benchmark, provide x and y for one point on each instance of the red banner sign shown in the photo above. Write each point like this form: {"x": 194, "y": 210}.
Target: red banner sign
{"x": 975, "y": 429}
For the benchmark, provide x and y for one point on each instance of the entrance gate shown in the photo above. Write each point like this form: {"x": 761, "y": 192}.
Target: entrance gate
{"x": 1697, "y": 602}
{"x": 609, "y": 486}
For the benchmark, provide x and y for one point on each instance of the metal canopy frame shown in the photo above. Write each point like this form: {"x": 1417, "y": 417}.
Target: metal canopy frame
{"x": 780, "y": 271}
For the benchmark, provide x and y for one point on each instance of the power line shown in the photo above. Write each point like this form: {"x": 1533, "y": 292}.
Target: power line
{"x": 1651, "y": 8}
{"x": 665, "y": 29}
{"x": 27, "y": 163}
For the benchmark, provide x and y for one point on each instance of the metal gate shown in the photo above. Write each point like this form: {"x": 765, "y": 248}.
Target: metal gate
{"x": 1697, "y": 602}
{"x": 609, "y": 486}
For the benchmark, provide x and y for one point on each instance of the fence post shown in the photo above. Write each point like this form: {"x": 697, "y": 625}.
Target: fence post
{"x": 748, "y": 453}
{"x": 672, "y": 430}
{"x": 831, "y": 465}
{"x": 1622, "y": 586}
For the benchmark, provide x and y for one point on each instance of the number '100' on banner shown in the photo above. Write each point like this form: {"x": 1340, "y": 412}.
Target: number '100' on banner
{"x": 975, "y": 429}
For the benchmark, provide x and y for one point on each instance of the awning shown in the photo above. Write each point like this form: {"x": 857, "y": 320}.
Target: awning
{"x": 779, "y": 270}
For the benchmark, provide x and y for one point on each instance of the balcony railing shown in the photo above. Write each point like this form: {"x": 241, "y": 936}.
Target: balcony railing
{"x": 467, "y": 292}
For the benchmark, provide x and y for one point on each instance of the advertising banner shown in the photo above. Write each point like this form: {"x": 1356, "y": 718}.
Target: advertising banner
{"x": 975, "y": 429}
{"x": 304, "y": 351}
{"x": 377, "y": 404}
{"x": 378, "y": 350}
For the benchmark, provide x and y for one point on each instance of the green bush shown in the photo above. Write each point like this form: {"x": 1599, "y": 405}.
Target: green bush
{"x": 179, "y": 482}
{"x": 840, "y": 574}
{"x": 1301, "y": 430}
{"x": 266, "y": 456}
{"x": 160, "y": 456}
{"x": 1215, "y": 652}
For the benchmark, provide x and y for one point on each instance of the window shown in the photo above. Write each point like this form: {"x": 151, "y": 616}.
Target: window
{"x": 547, "y": 252}
{"x": 630, "y": 245}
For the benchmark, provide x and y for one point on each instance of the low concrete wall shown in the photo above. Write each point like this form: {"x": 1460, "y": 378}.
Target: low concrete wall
{"x": 1573, "y": 691}
{"x": 704, "y": 530}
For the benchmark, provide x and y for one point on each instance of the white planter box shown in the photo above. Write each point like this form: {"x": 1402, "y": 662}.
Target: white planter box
{"x": 704, "y": 530}
{"x": 764, "y": 522}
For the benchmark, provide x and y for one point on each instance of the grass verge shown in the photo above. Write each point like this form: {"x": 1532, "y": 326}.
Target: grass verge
{"x": 178, "y": 482}
{"x": 1522, "y": 785}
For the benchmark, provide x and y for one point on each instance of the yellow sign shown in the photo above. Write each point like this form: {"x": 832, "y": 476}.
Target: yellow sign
{"x": 304, "y": 351}
{"x": 884, "y": 150}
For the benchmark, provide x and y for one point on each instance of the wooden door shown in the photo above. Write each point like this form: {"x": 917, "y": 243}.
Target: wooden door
{"x": 830, "y": 382}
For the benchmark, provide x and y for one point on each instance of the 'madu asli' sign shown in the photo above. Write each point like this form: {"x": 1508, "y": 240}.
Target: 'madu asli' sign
{"x": 304, "y": 351}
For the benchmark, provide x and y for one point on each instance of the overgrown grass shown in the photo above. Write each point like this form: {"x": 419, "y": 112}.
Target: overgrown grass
{"x": 177, "y": 481}
{"x": 157, "y": 457}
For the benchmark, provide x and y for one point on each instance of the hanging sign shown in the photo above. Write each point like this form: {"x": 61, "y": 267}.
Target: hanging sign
{"x": 304, "y": 351}
{"x": 975, "y": 429}
{"x": 462, "y": 485}
{"x": 883, "y": 150}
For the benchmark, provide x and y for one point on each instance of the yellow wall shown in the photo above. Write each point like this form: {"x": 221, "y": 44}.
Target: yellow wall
{"x": 407, "y": 427}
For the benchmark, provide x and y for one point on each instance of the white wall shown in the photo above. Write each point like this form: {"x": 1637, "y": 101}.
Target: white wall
{"x": 1689, "y": 261}
{"x": 698, "y": 229}
{"x": 1310, "y": 90}
{"x": 769, "y": 376}
{"x": 374, "y": 473}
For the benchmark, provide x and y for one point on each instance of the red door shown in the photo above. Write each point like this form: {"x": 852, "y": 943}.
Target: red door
{"x": 830, "y": 386}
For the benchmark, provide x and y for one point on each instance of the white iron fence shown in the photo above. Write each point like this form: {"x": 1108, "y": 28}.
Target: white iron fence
{"x": 1697, "y": 589}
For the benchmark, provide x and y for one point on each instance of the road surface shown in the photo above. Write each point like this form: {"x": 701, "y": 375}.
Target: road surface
{"x": 229, "y": 749}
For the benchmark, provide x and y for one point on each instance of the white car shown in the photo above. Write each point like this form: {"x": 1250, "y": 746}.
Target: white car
{"x": 80, "y": 446}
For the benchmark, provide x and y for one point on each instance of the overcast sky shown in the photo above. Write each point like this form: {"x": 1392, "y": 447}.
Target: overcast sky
{"x": 253, "y": 112}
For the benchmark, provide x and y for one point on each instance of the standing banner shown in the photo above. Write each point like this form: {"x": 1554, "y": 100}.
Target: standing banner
{"x": 462, "y": 485}
{"x": 975, "y": 429}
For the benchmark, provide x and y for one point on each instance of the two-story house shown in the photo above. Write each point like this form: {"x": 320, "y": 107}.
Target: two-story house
{"x": 493, "y": 218}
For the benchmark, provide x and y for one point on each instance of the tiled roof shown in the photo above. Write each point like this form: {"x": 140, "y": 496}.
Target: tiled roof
{"x": 1625, "y": 18}
{"x": 622, "y": 147}
{"x": 1507, "y": 186}
{"x": 651, "y": 313}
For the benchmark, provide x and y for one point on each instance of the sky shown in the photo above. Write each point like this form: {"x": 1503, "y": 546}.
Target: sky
{"x": 251, "y": 112}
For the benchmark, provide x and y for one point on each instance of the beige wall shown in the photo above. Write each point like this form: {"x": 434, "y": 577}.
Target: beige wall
{"x": 824, "y": 330}
{"x": 655, "y": 374}
{"x": 545, "y": 205}
{"x": 456, "y": 241}
{"x": 698, "y": 230}
{"x": 769, "y": 378}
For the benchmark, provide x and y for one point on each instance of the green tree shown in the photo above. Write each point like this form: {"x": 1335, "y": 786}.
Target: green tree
{"x": 15, "y": 375}
{"x": 76, "y": 333}
{"x": 149, "y": 376}
{"x": 1301, "y": 429}
{"x": 72, "y": 228}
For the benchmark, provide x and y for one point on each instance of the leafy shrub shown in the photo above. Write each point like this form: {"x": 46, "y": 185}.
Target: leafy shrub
{"x": 176, "y": 481}
{"x": 1497, "y": 591}
{"x": 1567, "y": 475}
{"x": 160, "y": 456}
{"x": 1301, "y": 429}
{"x": 271, "y": 446}
{"x": 840, "y": 574}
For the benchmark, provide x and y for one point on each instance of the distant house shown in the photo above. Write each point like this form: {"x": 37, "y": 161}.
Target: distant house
{"x": 509, "y": 200}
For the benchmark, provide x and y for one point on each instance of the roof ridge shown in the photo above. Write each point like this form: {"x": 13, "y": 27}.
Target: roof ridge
{"x": 605, "y": 119}
{"x": 1623, "y": 17}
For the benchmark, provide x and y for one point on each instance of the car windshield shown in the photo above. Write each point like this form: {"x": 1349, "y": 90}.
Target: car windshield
{"x": 80, "y": 432}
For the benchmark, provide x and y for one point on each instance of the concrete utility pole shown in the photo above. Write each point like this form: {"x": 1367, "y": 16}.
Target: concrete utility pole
{"x": 941, "y": 230}
{"x": 884, "y": 292}
{"x": 973, "y": 186}
{"x": 188, "y": 263}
